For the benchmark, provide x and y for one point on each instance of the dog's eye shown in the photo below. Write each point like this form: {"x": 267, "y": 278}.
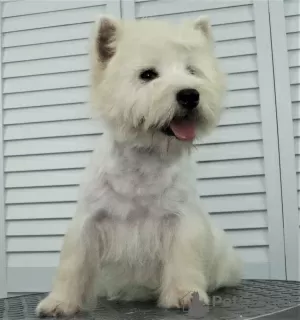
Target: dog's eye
{"x": 149, "y": 74}
{"x": 191, "y": 70}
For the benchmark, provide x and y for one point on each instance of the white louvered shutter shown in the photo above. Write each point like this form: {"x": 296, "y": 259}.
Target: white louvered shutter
{"x": 47, "y": 134}
{"x": 238, "y": 165}
{"x": 47, "y": 137}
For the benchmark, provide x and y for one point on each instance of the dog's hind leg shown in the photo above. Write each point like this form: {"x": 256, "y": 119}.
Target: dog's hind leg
{"x": 76, "y": 275}
{"x": 226, "y": 270}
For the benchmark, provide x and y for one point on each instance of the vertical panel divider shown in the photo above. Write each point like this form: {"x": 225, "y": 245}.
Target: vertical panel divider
{"x": 270, "y": 138}
{"x": 286, "y": 137}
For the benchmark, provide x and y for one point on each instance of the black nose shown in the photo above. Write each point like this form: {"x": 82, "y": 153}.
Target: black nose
{"x": 188, "y": 98}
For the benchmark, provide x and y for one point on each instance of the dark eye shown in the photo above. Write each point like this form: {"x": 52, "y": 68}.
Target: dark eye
{"x": 191, "y": 70}
{"x": 149, "y": 74}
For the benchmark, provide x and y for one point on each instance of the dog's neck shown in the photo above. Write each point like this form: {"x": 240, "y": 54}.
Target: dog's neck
{"x": 156, "y": 146}
{"x": 143, "y": 165}
{"x": 140, "y": 153}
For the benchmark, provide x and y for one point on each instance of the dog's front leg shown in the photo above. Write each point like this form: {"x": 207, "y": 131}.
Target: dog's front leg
{"x": 185, "y": 266}
{"x": 79, "y": 261}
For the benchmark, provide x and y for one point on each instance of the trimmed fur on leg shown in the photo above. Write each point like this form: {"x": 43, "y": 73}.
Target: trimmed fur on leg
{"x": 75, "y": 279}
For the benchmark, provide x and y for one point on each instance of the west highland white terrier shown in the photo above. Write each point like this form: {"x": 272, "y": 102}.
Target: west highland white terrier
{"x": 139, "y": 232}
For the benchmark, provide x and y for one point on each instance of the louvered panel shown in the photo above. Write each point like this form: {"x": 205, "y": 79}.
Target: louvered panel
{"x": 48, "y": 134}
{"x": 295, "y": 92}
{"x": 292, "y": 24}
{"x": 41, "y": 195}
{"x": 234, "y": 186}
{"x": 40, "y": 211}
{"x": 46, "y": 51}
{"x": 74, "y": 111}
{"x": 296, "y": 110}
{"x": 48, "y": 66}
{"x": 242, "y": 220}
{"x": 46, "y": 82}
{"x": 33, "y": 260}
{"x": 296, "y": 128}
{"x": 249, "y": 114}
{"x": 12, "y": 9}
{"x": 219, "y": 13}
{"x": 52, "y": 129}
{"x": 47, "y": 97}
{"x": 228, "y": 151}
{"x": 50, "y": 145}
{"x": 294, "y": 75}
{"x": 238, "y": 64}
{"x": 43, "y": 178}
{"x": 254, "y": 254}
{"x": 46, "y": 35}
{"x": 234, "y": 203}
{"x": 246, "y": 132}
{"x": 230, "y": 168}
{"x": 50, "y": 19}
{"x": 293, "y": 41}
{"x": 37, "y": 228}
{"x": 73, "y": 160}
{"x": 35, "y": 244}
{"x": 293, "y": 58}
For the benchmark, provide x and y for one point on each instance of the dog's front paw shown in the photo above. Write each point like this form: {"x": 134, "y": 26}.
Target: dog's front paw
{"x": 53, "y": 307}
{"x": 182, "y": 299}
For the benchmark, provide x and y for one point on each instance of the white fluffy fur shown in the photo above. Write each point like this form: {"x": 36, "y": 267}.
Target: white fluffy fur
{"x": 139, "y": 231}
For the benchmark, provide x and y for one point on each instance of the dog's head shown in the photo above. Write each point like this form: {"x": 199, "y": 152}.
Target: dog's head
{"x": 155, "y": 81}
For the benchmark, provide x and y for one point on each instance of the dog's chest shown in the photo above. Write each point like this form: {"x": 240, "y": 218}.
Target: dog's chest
{"x": 131, "y": 184}
{"x": 138, "y": 193}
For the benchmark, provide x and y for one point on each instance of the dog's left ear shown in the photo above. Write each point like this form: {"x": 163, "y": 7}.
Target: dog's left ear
{"x": 107, "y": 29}
{"x": 203, "y": 24}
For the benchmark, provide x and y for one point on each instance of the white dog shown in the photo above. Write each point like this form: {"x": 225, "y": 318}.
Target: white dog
{"x": 139, "y": 231}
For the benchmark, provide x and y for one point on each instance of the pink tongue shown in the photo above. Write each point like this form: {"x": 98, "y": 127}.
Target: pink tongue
{"x": 184, "y": 129}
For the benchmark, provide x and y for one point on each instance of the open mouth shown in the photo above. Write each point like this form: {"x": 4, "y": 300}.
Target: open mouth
{"x": 182, "y": 128}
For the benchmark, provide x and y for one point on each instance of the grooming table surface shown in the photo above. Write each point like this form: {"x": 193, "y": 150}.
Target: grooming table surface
{"x": 252, "y": 299}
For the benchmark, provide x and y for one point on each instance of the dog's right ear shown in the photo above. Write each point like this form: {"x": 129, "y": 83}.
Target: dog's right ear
{"x": 203, "y": 24}
{"x": 107, "y": 29}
